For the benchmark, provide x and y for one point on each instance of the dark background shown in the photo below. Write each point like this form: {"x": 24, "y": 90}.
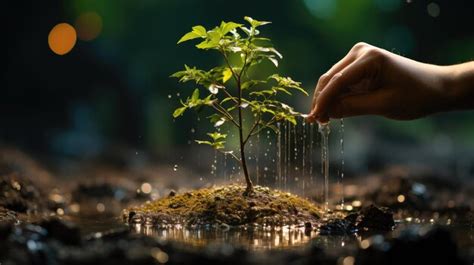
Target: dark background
{"x": 114, "y": 90}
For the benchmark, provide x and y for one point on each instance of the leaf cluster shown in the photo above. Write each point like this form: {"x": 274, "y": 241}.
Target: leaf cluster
{"x": 228, "y": 88}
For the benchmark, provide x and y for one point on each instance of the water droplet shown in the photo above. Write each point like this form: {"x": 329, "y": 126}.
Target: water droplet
{"x": 146, "y": 187}
{"x": 100, "y": 207}
{"x": 169, "y": 96}
{"x": 193, "y": 130}
{"x": 175, "y": 168}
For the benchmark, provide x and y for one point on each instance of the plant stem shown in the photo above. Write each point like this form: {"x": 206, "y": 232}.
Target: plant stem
{"x": 249, "y": 188}
{"x": 224, "y": 113}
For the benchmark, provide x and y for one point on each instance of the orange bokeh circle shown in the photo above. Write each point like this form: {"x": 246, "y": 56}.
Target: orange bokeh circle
{"x": 62, "y": 38}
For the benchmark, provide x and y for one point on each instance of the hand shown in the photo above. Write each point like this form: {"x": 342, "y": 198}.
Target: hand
{"x": 370, "y": 80}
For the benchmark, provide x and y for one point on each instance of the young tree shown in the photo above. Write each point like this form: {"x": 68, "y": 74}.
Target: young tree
{"x": 256, "y": 96}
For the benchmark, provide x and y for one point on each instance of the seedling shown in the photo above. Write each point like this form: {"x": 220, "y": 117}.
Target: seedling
{"x": 229, "y": 89}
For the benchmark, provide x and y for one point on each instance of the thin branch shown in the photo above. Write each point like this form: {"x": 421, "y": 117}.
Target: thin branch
{"x": 224, "y": 112}
{"x": 264, "y": 126}
{"x": 244, "y": 66}
{"x": 229, "y": 153}
{"x": 229, "y": 95}
{"x": 230, "y": 67}
{"x": 254, "y": 126}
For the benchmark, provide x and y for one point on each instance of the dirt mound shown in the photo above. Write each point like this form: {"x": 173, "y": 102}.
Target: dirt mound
{"x": 227, "y": 206}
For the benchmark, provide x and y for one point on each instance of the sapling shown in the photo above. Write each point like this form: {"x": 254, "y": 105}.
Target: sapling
{"x": 231, "y": 92}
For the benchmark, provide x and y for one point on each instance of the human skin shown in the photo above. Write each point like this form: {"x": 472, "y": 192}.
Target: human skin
{"x": 373, "y": 81}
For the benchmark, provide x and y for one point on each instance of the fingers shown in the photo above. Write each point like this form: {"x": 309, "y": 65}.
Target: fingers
{"x": 338, "y": 84}
{"x": 324, "y": 79}
{"x": 356, "y": 105}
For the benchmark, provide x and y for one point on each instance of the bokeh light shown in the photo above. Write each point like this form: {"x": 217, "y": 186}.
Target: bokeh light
{"x": 62, "y": 38}
{"x": 433, "y": 9}
{"x": 89, "y": 26}
{"x": 388, "y": 5}
{"x": 321, "y": 8}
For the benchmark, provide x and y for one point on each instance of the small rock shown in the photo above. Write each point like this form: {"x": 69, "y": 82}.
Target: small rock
{"x": 172, "y": 193}
{"x": 335, "y": 227}
{"x": 375, "y": 218}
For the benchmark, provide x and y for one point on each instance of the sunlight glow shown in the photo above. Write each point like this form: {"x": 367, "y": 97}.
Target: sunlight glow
{"x": 89, "y": 26}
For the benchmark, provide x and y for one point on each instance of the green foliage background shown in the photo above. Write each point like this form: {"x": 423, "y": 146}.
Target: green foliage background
{"x": 138, "y": 42}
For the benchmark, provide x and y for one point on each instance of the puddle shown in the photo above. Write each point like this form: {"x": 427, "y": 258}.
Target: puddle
{"x": 248, "y": 238}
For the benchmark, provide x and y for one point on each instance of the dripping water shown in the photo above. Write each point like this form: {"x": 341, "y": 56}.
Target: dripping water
{"x": 287, "y": 149}
{"x": 324, "y": 130}
{"x": 303, "y": 158}
{"x": 257, "y": 155}
{"x": 279, "y": 155}
{"x": 341, "y": 132}
{"x": 311, "y": 144}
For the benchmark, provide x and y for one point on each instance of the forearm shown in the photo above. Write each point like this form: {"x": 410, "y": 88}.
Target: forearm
{"x": 459, "y": 86}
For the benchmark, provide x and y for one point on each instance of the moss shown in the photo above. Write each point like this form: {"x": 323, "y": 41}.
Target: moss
{"x": 226, "y": 205}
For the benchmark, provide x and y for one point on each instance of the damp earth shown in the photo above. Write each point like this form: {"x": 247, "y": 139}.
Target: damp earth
{"x": 115, "y": 213}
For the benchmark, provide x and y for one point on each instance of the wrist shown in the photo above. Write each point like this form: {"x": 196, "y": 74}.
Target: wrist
{"x": 458, "y": 86}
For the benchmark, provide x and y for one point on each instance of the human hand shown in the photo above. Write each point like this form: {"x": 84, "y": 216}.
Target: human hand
{"x": 370, "y": 80}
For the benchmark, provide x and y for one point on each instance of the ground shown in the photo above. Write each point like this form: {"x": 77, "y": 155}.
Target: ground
{"x": 227, "y": 206}
{"x": 49, "y": 218}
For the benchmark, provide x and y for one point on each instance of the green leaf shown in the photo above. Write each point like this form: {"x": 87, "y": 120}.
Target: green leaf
{"x": 291, "y": 119}
{"x": 200, "y": 30}
{"x": 251, "y": 83}
{"x": 267, "y": 110}
{"x": 216, "y": 136}
{"x": 226, "y": 27}
{"x": 227, "y": 99}
{"x": 214, "y": 117}
{"x": 212, "y": 40}
{"x": 273, "y": 127}
{"x": 218, "y": 145}
{"x": 277, "y": 88}
{"x": 195, "y": 95}
{"x": 246, "y": 30}
{"x": 273, "y": 60}
{"x": 255, "y": 23}
{"x": 208, "y": 100}
{"x": 197, "y": 32}
{"x": 226, "y": 75}
{"x": 203, "y": 142}
{"x": 188, "y": 36}
{"x": 179, "y": 111}
{"x": 301, "y": 90}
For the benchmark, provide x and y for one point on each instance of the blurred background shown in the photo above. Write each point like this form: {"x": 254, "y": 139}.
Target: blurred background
{"x": 99, "y": 85}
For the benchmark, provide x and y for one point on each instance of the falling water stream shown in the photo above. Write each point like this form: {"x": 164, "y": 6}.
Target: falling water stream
{"x": 324, "y": 130}
{"x": 288, "y": 160}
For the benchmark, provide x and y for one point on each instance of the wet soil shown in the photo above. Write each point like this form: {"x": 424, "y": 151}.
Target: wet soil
{"x": 227, "y": 206}
{"x": 47, "y": 218}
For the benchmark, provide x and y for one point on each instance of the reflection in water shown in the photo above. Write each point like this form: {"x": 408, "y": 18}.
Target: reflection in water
{"x": 250, "y": 237}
